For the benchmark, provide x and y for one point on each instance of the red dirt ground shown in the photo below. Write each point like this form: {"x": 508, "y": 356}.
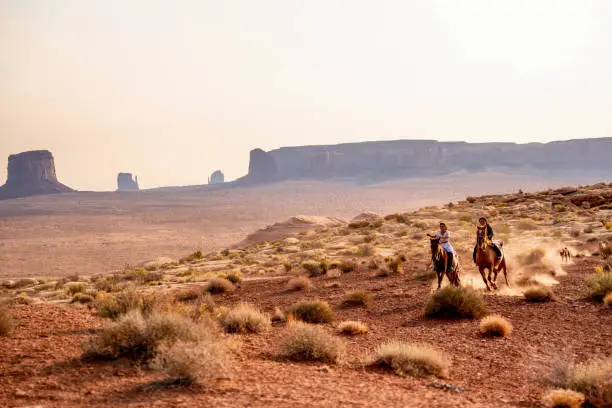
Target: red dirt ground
{"x": 40, "y": 366}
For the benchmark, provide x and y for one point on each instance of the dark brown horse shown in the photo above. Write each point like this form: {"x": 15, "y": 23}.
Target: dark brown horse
{"x": 486, "y": 258}
{"x": 439, "y": 258}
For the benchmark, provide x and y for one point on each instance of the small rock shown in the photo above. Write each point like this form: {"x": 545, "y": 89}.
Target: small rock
{"x": 21, "y": 394}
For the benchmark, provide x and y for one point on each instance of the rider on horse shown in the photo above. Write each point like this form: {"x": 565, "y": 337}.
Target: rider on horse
{"x": 482, "y": 221}
{"x": 444, "y": 239}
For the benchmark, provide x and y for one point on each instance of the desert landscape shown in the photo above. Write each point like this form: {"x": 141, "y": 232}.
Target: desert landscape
{"x": 315, "y": 310}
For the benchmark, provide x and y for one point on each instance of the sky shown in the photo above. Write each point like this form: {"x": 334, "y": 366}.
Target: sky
{"x": 172, "y": 90}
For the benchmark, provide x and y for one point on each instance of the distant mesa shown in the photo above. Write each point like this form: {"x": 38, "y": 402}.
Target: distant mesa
{"x": 31, "y": 173}
{"x": 125, "y": 182}
{"x": 217, "y": 177}
{"x": 385, "y": 160}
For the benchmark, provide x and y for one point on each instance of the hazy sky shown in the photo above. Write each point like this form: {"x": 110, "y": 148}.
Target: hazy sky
{"x": 171, "y": 90}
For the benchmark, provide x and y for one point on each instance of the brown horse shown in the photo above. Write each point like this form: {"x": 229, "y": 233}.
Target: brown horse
{"x": 565, "y": 255}
{"x": 439, "y": 258}
{"x": 486, "y": 258}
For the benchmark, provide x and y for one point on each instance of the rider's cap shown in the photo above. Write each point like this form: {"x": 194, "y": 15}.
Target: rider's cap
{"x": 441, "y": 223}
{"x": 482, "y": 219}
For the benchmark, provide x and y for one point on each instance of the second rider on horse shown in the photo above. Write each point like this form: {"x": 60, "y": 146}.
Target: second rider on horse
{"x": 482, "y": 221}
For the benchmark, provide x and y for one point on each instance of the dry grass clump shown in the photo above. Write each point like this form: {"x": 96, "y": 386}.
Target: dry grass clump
{"x": 563, "y": 399}
{"x": 357, "y": 298}
{"x": 527, "y": 225}
{"x": 234, "y": 276}
{"x": 305, "y": 342}
{"x": 415, "y": 360}
{"x": 192, "y": 292}
{"x": 608, "y": 300}
{"x": 82, "y": 298}
{"x": 74, "y": 288}
{"x": 384, "y": 272}
{"x": 138, "y": 337}
{"x": 312, "y": 312}
{"x": 365, "y": 250}
{"x": 463, "y": 302}
{"x": 6, "y": 323}
{"x": 299, "y": 283}
{"x": 606, "y": 251}
{"x": 592, "y": 378}
{"x": 538, "y": 293}
{"x": 347, "y": 266}
{"x": 114, "y": 305}
{"x": 278, "y": 315}
{"x": 350, "y": 327}
{"x": 495, "y": 325}
{"x": 599, "y": 285}
{"x": 219, "y": 285}
{"x": 245, "y": 318}
{"x": 184, "y": 362}
{"x": 314, "y": 268}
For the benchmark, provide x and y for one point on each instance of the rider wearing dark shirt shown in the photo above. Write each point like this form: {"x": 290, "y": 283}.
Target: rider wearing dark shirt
{"x": 483, "y": 221}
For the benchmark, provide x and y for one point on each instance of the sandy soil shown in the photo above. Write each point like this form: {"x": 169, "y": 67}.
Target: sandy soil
{"x": 40, "y": 366}
{"x": 89, "y": 233}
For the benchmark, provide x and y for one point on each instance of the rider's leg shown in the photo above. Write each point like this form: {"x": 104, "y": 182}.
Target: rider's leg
{"x": 474, "y": 256}
{"x": 497, "y": 251}
{"x": 450, "y": 260}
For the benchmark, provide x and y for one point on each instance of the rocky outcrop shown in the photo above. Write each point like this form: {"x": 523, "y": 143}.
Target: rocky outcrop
{"x": 262, "y": 167}
{"x": 125, "y": 182}
{"x": 31, "y": 173}
{"x": 377, "y": 161}
{"x": 217, "y": 177}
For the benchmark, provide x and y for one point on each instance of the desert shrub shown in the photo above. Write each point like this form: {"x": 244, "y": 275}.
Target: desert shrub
{"x": 450, "y": 301}
{"x": 6, "y": 322}
{"x": 312, "y": 312}
{"x": 599, "y": 285}
{"x": 365, "y": 250}
{"x": 559, "y": 207}
{"x": 74, "y": 288}
{"x": 218, "y": 285}
{"x": 288, "y": 266}
{"x": 357, "y": 298}
{"x": 234, "y": 276}
{"x": 82, "y": 298}
{"x": 299, "y": 283}
{"x": 470, "y": 199}
{"x": 314, "y": 268}
{"x": 608, "y": 225}
{"x": 591, "y": 378}
{"x": 416, "y": 360}
{"x": 278, "y": 315}
{"x": 305, "y": 342}
{"x": 575, "y": 233}
{"x": 384, "y": 272}
{"x": 114, "y": 305}
{"x": 184, "y": 362}
{"x": 420, "y": 225}
{"x": 608, "y": 300}
{"x": 347, "y": 266}
{"x": 395, "y": 264}
{"x": 245, "y": 318}
{"x": 561, "y": 398}
{"x": 606, "y": 251}
{"x": 352, "y": 328}
{"x": 372, "y": 265}
{"x": 138, "y": 337}
{"x": 495, "y": 325}
{"x": 588, "y": 229}
{"x": 192, "y": 257}
{"x": 527, "y": 225}
{"x": 192, "y": 292}
{"x": 425, "y": 274}
{"x": 466, "y": 218}
{"x": 538, "y": 294}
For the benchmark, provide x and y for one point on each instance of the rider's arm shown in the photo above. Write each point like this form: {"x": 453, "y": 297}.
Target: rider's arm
{"x": 489, "y": 231}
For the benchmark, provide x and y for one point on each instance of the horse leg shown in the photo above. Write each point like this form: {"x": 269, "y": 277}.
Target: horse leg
{"x": 440, "y": 277}
{"x": 482, "y": 273}
{"x": 491, "y": 269}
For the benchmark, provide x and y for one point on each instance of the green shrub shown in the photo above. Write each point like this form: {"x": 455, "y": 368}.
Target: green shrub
{"x": 312, "y": 312}
{"x": 450, "y": 301}
{"x": 314, "y": 268}
{"x": 112, "y": 306}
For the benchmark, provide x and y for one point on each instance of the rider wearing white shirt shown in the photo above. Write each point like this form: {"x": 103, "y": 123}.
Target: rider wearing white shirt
{"x": 444, "y": 238}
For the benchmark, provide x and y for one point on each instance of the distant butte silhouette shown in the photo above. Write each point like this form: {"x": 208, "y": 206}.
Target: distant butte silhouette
{"x": 31, "y": 173}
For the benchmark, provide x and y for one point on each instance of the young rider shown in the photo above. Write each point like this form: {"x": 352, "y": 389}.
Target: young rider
{"x": 444, "y": 239}
{"x": 482, "y": 222}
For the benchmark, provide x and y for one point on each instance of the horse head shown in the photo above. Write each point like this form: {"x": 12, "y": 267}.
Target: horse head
{"x": 483, "y": 241}
{"x": 435, "y": 246}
